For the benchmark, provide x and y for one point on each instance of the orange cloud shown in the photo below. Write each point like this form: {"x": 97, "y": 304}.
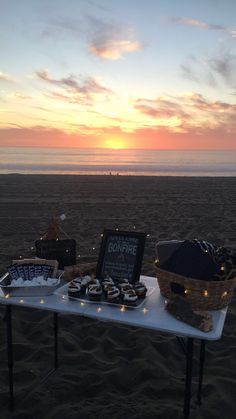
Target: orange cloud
{"x": 196, "y": 23}
{"x": 111, "y": 40}
{"x": 190, "y": 111}
{"x": 112, "y": 49}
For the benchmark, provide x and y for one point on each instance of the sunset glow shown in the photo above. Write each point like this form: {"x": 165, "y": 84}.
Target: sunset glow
{"x": 127, "y": 74}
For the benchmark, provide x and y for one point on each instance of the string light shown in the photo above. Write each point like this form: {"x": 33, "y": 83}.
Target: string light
{"x": 62, "y": 217}
{"x": 7, "y": 296}
{"x": 145, "y": 310}
{"x": 122, "y": 308}
{"x": 41, "y": 301}
{"x": 99, "y": 309}
{"x": 225, "y": 293}
{"x": 82, "y": 304}
{"x": 205, "y": 293}
{"x": 21, "y": 301}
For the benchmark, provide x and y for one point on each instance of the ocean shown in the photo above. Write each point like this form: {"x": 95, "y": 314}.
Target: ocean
{"x": 123, "y": 162}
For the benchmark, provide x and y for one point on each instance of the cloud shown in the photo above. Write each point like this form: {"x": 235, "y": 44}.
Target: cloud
{"x": 74, "y": 89}
{"x": 225, "y": 66}
{"x": 111, "y": 41}
{"x": 113, "y": 49}
{"x": 6, "y": 77}
{"x": 107, "y": 40}
{"x": 211, "y": 70}
{"x": 189, "y": 111}
{"x": 198, "y": 71}
{"x": 160, "y": 108}
{"x": 88, "y": 85}
{"x": 196, "y": 23}
{"x": 202, "y": 25}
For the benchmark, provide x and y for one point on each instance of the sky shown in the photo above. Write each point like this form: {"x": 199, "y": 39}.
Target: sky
{"x": 158, "y": 74}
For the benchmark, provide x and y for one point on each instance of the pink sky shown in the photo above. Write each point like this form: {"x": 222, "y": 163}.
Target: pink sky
{"x": 108, "y": 74}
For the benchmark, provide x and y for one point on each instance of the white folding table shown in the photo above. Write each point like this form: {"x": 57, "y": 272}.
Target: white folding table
{"x": 151, "y": 315}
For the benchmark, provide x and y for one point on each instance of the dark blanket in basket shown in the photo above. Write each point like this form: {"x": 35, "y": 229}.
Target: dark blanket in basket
{"x": 195, "y": 260}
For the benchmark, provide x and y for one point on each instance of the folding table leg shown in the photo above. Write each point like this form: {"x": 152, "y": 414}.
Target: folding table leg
{"x": 55, "y": 318}
{"x": 188, "y": 377}
{"x": 10, "y": 356}
{"x": 201, "y": 368}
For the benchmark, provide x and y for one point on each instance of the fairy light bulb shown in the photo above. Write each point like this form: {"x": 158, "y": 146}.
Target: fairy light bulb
{"x": 41, "y": 301}
{"x": 21, "y": 301}
{"x": 145, "y": 310}
{"x": 205, "y": 293}
{"x": 122, "y": 308}
{"x": 99, "y": 309}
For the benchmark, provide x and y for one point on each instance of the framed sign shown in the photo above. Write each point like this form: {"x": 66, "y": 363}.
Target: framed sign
{"x": 121, "y": 255}
{"x": 64, "y": 251}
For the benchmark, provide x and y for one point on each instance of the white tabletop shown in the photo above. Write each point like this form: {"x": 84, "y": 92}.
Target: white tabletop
{"x": 151, "y": 315}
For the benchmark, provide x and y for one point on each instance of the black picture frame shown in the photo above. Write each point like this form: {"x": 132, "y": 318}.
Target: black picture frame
{"x": 121, "y": 255}
{"x": 64, "y": 251}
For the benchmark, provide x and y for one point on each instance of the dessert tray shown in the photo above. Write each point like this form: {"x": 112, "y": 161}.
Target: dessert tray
{"x": 63, "y": 292}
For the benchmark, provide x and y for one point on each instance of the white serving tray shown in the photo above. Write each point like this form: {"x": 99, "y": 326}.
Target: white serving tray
{"x": 63, "y": 292}
{"x": 34, "y": 291}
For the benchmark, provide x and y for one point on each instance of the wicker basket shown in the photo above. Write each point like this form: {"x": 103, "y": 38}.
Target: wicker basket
{"x": 202, "y": 295}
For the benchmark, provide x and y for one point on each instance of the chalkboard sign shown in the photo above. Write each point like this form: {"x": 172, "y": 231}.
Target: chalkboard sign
{"x": 121, "y": 255}
{"x": 64, "y": 251}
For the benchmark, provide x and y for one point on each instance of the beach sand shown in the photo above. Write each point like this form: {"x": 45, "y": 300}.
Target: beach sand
{"x": 112, "y": 371}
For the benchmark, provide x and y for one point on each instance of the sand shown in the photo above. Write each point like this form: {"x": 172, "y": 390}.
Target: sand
{"x": 109, "y": 371}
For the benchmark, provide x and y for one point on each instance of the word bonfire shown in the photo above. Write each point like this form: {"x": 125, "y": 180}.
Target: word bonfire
{"x": 122, "y": 248}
